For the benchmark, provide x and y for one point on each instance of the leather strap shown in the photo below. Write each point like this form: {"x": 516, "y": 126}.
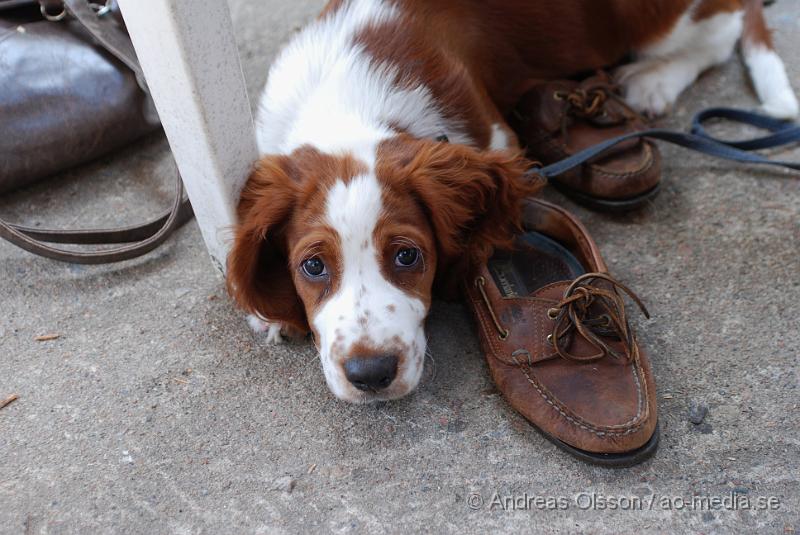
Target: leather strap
{"x": 108, "y": 35}
{"x": 783, "y": 133}
{"x": 141, "y": 239}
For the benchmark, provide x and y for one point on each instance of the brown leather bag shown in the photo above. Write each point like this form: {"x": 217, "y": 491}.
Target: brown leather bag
{"x": 66, "y": 99}
{"x": 72, "y": 90}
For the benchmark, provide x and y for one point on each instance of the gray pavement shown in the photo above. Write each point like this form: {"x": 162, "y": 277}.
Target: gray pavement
{"x": 156, "y": 410}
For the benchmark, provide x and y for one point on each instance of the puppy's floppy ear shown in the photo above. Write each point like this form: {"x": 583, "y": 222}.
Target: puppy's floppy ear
{"x": 258, "y": 276}
{"x": 473, "y": 198}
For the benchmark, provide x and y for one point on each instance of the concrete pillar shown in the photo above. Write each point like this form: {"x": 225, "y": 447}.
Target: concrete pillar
{"x": 188, "y": 54}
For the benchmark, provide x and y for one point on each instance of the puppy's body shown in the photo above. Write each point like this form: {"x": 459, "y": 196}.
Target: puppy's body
{"x": 354, "y": 182}
{"x": 458, "y": 67}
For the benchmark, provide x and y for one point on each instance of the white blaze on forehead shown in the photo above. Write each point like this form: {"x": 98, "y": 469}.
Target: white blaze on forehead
{"x": 359, "y": 310}
{"x": 353, "y": 210}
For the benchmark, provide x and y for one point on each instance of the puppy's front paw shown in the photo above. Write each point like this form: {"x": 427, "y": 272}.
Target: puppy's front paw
{"x": 650, "y": 92}
{"x": 649, "y": 87}
{"x": 781, "y": 105}
{"x": 272, "y": 329}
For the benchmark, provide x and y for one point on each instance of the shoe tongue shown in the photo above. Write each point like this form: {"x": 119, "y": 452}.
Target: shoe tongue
{"x": 538, "y": 261}
{"x": 552, "y": 292}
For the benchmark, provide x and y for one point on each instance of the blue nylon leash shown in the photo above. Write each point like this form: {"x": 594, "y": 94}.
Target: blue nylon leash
{"x": 782, "y": 133}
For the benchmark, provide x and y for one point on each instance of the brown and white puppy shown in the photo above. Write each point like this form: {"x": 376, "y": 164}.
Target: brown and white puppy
{"x": 359, "y": 207}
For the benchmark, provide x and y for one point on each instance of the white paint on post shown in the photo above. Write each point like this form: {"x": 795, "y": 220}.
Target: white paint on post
{"x": 188, "y": 54}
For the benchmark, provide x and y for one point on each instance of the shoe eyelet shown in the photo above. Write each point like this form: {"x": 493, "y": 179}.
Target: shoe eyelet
{"x": 559, "y": 95}
{"x": 550, "y": 339}
{"x": 552, "y": 313}
{"x": 504, "y": 335}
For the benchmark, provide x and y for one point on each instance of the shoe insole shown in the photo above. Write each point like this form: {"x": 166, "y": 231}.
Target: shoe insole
{"x": 535, "y": 262}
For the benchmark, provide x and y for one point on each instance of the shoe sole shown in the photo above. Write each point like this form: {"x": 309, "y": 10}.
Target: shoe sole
{"x": 611, "y": 460}
{"x": 614, "y": 206}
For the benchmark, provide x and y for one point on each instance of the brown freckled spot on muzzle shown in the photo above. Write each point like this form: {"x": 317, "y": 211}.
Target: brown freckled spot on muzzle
{"x": 364, "y": 245}
{"x": 405, "y": 349}
{"x": 391, "y": 308}
{"x": 362, "y": 321}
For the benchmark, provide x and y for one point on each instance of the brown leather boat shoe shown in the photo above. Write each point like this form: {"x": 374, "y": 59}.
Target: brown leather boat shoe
{"x": 554, "y": 328}
{"x": 559, "y": 118}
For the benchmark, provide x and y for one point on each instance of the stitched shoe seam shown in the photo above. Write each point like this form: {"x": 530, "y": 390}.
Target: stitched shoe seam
{"x": 597, "y": 169}
{"x": 600, "y": 431}
{"x": 544, "y": 391}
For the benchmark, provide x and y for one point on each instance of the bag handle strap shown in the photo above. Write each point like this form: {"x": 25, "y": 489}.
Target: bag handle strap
{"x": 107, "y": 33}
{"x": 141, "y": 239}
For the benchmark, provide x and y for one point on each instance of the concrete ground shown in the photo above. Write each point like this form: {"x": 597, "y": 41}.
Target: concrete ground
{"x": 156, "y": 410}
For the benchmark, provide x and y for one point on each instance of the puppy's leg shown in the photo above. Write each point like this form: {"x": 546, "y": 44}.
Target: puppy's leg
{"x": 503, "y": 137}
{"x": 665, "y": 68}
{"x": 766, "y": 68}
{"x": 272, "y": 329}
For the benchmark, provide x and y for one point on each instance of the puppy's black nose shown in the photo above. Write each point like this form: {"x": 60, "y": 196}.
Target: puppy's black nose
{"x": 371, "y": 373}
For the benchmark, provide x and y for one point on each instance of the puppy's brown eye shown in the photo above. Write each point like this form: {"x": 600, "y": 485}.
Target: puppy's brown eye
{"x": 407, "y": 257}
{"x": 314, "y": 267}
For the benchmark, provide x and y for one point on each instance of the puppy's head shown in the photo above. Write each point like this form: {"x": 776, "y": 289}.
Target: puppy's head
{"x": 349, "y": 248}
